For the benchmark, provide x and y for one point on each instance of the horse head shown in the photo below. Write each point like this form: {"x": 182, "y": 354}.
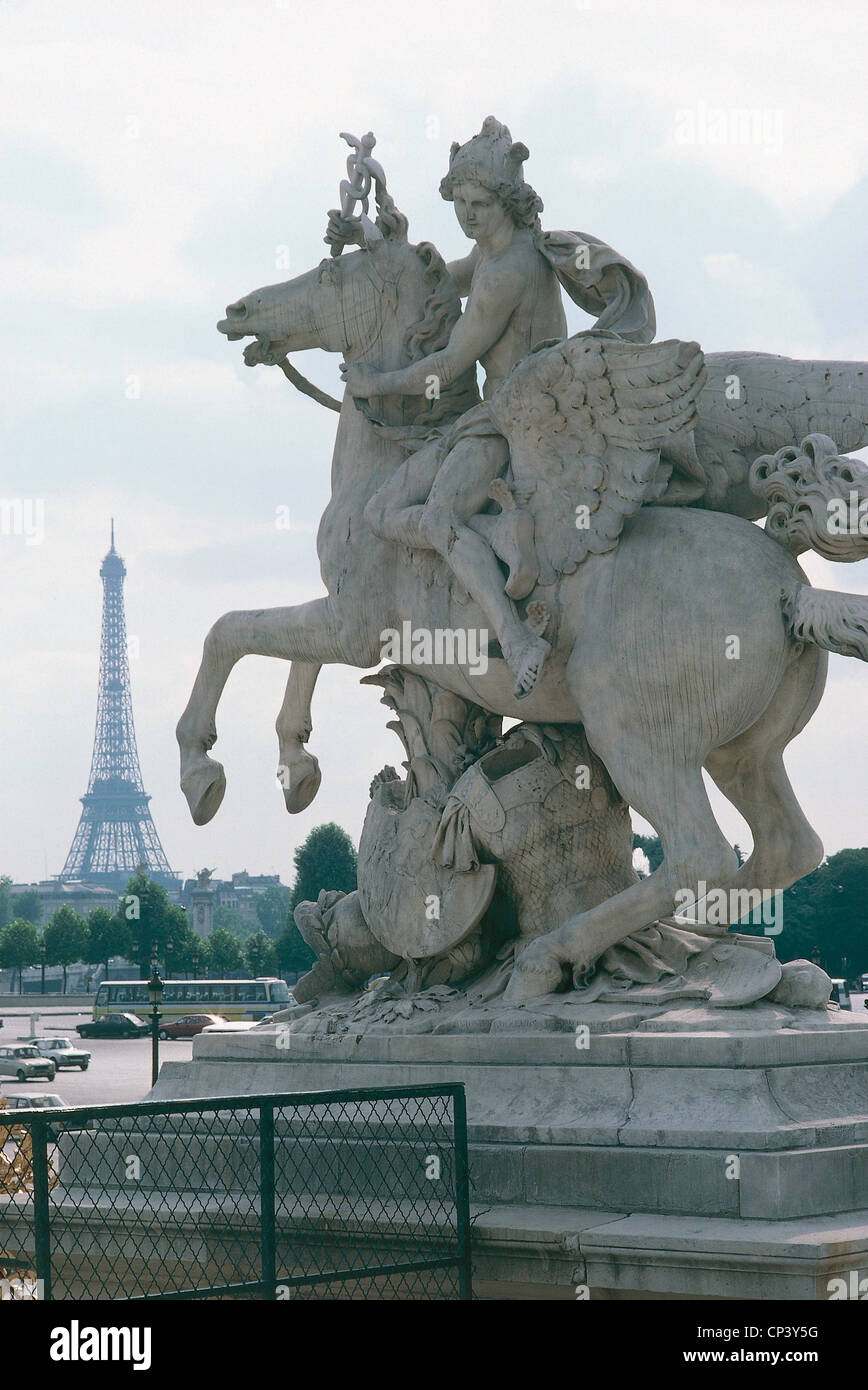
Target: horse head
{"x": 387, "y": 304}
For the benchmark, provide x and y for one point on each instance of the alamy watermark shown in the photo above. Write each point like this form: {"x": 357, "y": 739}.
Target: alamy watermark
{"x": 720, "y": 907}
{"x": 436, "y": 646}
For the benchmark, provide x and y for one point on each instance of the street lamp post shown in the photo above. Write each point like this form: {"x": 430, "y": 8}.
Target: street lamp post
{"x": 155, "y": 994}
{"x": 42, "y": 962}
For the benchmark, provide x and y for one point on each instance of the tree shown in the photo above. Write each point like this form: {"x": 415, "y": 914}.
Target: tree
{"x": 294, "y": 956}
{"x": 148, "y": 920}
{"x": 271, "y": 906}
{"x": 651, "y": 848}
{"x": 107, "y": 935}
{"x": 234, "y": 921}
{"x": 19, "y": 947}
{"x": 5, "y": 901}
{"x": 327, "y": 859}
{"x": 27, "y": 906}
{"x": 260, "y": 955}
{"x": 187, "y": 944}
{"x": 223, "y": 958}
{"x": 65, "y": 939}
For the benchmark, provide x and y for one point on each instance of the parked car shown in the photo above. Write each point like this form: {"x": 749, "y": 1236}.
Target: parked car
{"x": 25, "y": 1063}
{"x": 188, "y": 1025}
{"x": 44, "y": 1100}
{"x": 32, "y": 1100}
{"x": 114, "y": 1026}
{"x": 224, "y": 1027}
{"x": 61, "y": 1052}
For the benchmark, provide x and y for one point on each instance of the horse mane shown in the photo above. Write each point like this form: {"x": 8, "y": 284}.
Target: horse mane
{"x": 441, "y": 312}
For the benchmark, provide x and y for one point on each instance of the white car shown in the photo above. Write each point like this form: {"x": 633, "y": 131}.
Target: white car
{"x": 61, "y": 1052}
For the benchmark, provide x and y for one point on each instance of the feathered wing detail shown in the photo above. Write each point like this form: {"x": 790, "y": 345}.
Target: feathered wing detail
{"x": 586, "y": 419}
{"x": 754, "y": 403}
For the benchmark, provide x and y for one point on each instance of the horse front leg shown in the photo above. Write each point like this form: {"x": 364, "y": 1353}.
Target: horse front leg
{"x": 298, "y": 771}
{"x": 307, "y": 633}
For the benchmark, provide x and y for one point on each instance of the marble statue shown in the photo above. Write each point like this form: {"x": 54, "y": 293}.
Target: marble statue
{"x": 576, "y": 551}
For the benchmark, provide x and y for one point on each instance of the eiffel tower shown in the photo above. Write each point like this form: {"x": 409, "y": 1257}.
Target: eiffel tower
{"x": 115, "y": 835}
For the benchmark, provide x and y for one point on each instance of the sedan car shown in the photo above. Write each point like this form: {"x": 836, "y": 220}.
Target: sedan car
{"x": 25, "y": 1063}
{"x": 188, "y": 1025}
{"x": 114, "y": 1026}
{"x": 33, "y": 1100}
{"x": 61, "y": 1052}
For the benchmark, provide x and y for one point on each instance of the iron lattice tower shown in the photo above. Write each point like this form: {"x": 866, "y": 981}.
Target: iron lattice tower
{"x": 115, "y": 834}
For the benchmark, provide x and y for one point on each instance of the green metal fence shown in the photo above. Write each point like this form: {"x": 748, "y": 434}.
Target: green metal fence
{"x": 328, "y": 1194}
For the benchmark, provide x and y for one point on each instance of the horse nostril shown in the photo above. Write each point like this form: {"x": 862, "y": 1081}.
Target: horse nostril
{"x": 238, "y": 310}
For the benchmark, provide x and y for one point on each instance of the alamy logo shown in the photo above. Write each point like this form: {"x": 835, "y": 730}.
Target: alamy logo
{"x": 77, "y": 1343}
{"x": 719, "y": 907}
{"x": 436, "y": 646}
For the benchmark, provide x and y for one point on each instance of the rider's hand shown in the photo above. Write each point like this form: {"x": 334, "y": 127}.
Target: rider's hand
{"x": 344, "y": 231}
{"x": 361, "y": 380}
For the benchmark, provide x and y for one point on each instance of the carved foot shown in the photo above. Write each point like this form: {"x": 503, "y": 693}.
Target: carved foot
{"x": 300, "y": 778}
{"x": 537, "y": 972}
{"x": 525, "y": 653}
{"x": 204, "y": 786}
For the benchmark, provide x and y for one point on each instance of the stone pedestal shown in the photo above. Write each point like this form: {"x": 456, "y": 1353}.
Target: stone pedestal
{"x": 689, "y": 1153}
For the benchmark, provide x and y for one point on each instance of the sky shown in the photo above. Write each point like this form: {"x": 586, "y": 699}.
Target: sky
{"x": 159, "y": 160}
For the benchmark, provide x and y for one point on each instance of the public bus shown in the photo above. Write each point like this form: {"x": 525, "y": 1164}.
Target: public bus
{"x": 231, "y": 999}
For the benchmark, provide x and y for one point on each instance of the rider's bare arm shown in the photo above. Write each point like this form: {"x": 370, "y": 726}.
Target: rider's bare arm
{"x": 462, "y": 270}
{"x": 497, "y": 291}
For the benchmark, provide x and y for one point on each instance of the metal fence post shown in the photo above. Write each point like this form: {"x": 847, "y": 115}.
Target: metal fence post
{"x": 266, "y": 1201}
{"x": 462, "y": 1194}
{"x": 41, "y": 1226}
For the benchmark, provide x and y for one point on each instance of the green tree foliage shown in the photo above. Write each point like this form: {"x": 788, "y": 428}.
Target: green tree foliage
{"x": 233, "y": 920}
{"x": 106, "y": 934}
{"x": 27, "y": 906}
{"x": 66, "y": 940}
{"x": 260, "y": 955}
{"x": 327, "y": 859}
{"x": 294, "y": 956}
{"x": 652, "y": 849}
{"x": 5, "y": 901}
{"x": 223, "y": 955}
{"x": 19, "y": 947}
{"x": 182, "y": 943}
{"x": 149, "y": 921}
{"x": 827, "y": 910}
{"x": 271, "y": 908}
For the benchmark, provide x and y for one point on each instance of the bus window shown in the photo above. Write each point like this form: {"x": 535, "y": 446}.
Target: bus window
{"x": 258, "y": 994}
{"x": 279, "y": 991}
{"x": 102, "y": 996}
{"x": 122, "y": 995}
{"x": 139, "y": 994}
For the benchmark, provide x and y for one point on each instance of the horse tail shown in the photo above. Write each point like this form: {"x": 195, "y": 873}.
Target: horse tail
{"x": 817, "y": 499}
{"x": 836, "y": 622}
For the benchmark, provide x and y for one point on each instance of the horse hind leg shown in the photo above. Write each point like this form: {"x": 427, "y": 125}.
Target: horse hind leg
{"x": 298, "y": 771}
{"x": 675, "y": 802}
{"x": 751, "y": 774}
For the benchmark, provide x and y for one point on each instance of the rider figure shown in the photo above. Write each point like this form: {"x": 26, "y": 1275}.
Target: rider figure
{"x": 438, "y": 498}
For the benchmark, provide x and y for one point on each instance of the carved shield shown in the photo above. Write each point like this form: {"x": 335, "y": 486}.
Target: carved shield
{"x": 415, "y": 907}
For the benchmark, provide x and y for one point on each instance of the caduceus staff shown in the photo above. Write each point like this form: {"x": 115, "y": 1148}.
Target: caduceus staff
{"x": 362, "y": 171}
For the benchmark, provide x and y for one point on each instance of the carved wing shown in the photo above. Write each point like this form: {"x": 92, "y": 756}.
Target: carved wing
{"x": 586, "y": 419}
{"x": 754, "y": 403}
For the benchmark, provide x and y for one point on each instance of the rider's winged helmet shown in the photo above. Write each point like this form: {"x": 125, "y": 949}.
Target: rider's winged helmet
{"x": 493, "y": 160}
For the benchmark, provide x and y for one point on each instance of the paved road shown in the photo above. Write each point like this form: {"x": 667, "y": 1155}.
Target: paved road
{"x": 120, "y": 1068}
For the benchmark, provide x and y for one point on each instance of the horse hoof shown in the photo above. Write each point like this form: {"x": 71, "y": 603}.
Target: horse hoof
{"x": 534, "y": 976}
{"x": 302, "y": 790}
{"x": 204, "y": 788}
